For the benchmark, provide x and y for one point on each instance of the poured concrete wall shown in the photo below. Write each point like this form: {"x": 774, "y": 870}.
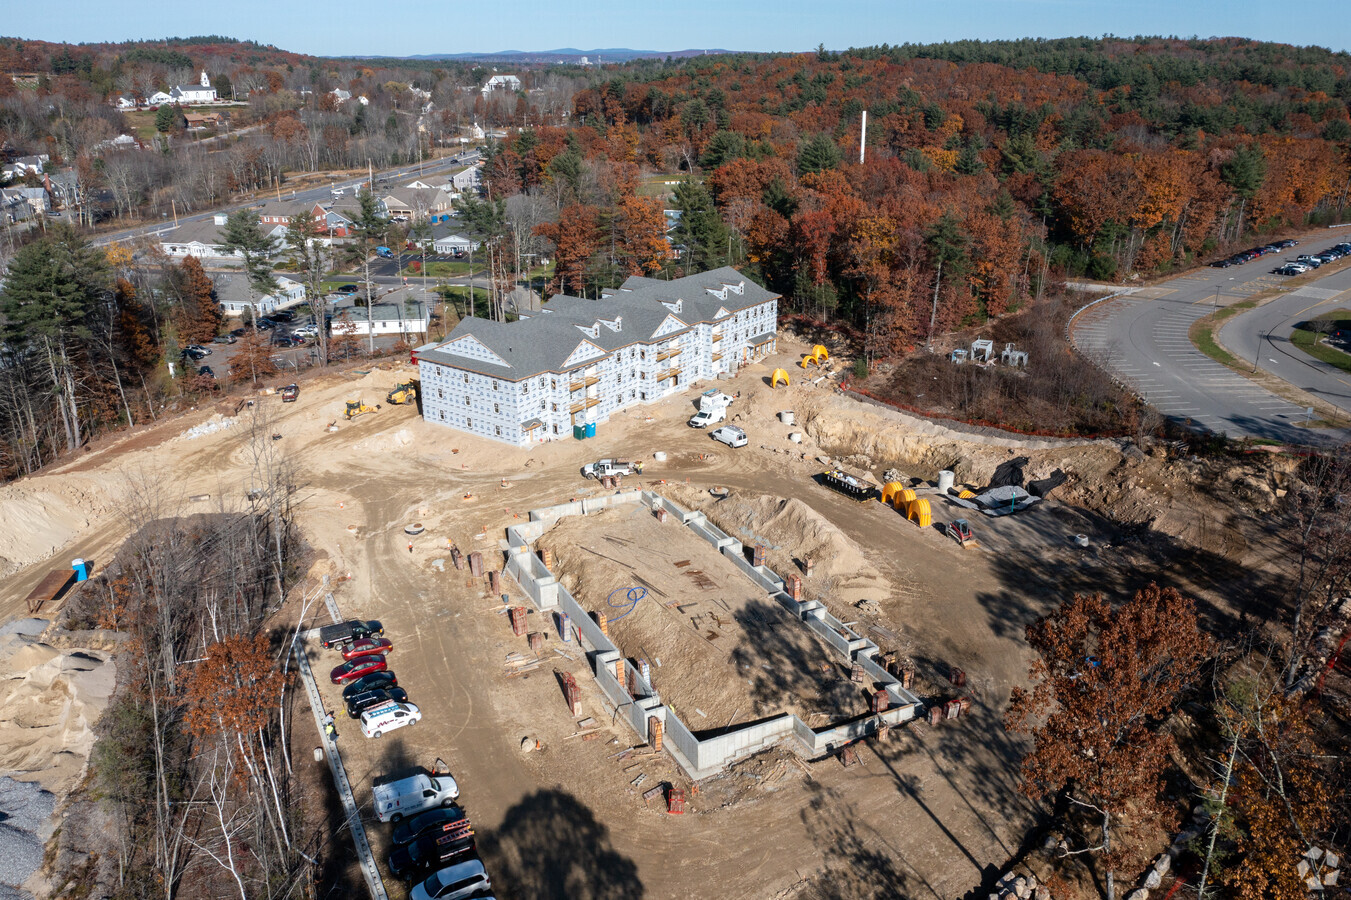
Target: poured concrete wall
{"x": 708, "y": 756}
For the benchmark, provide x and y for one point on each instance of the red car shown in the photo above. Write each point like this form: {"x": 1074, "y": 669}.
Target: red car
{"x": 367, "y": 647}
{"x": 355, "y": 668}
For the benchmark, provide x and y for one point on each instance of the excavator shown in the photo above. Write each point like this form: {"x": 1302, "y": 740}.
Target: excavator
{"x": 404, "y": 392}
{"x": 356, "y": 408}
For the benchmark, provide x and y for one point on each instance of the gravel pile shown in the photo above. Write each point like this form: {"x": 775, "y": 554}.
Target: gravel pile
{"x": 24, "y": 813}
{"x": 210, "y": 426}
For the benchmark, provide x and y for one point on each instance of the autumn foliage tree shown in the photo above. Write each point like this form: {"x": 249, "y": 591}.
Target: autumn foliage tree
{"x": 199, "y": 315}
{"x": 575, "y": 236}
{"x": 640, "y": 235}
{"x": 1103, "y": 680}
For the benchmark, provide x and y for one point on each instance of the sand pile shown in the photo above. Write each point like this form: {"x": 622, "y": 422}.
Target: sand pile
{"x": 42, "y": 515}
{"x": 50, "y": 699}
{"x": 794, "y": 531}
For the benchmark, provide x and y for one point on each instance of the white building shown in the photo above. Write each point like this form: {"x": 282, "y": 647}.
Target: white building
{"x": 502, "y": 83}
{"x": 232, "y": 293}
{"x": 397, "y": 313}
{"x": 577, "y": 361}
{"x": 202, "y": 239}
{"x": 194, "y": 93}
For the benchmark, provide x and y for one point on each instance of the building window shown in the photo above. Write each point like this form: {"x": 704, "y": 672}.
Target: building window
{"x": 466, "y": 399}
{"x": 554, "y": 383}
{"x": 468, "y": 422}
{"x": 497, "y": 429}
{"x": 443, "y": 415}
{"x": 466, "y": 377}
{"x": 644, "y": 395}
{"x": 440, "y": 395}
{"x": 495, "y": 385}
{"x": 555, "y": 407}
{"x": 555, "y": 429}
{"x": 496, "y": 408}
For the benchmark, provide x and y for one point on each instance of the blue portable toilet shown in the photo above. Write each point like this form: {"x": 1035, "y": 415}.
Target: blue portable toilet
{"x": 81, "y": 569}
{"x": 590, "y": 429}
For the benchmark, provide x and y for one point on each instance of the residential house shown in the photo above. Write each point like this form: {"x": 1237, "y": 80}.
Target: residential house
{"x": 20, "y": 203}
{"x": 232, "y": 293}
{"x": 502, "y": 83}
{"x": 469, "y": 178}
{"x": 203, "y": 120}
{"x": 415, "y": 204}
{"x": 159, "y": 98}
{"x": 201, "y": 238}
{"x": 340, "y": 96}
{"x": 125, "y": 102}
{"x": 577, "y": 362}
{"x": 26, "y": 165}
{"x": 202, "y": 92}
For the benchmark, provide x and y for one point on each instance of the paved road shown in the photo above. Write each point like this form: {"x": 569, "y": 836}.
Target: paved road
{"x": 324, "y": 192}
{"x": 1262, "y": 335}
{"x": 1141, "y": 338}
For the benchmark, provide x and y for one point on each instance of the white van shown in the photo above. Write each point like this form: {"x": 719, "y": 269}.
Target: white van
{"x": 388, "y": 716}
{"x": 405, "y": 794}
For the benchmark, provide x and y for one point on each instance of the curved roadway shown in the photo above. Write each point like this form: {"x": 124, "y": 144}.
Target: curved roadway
{"x": 1141, "y": 338}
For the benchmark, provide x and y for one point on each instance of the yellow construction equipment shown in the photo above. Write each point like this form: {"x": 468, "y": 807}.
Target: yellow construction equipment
{"x": 356, "y": 408}
{"x": 775, "y": 378}
{"x": 404, "y": 392}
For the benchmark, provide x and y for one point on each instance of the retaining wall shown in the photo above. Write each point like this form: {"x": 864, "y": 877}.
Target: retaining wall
{"x": 710, "y": 755}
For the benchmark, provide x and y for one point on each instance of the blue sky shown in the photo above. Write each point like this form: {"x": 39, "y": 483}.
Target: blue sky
{"x": 348, "y": 27}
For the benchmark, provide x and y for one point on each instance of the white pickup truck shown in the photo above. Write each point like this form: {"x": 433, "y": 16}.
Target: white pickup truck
{"x": 604, "y": 467}
{"x": 407, "y": 794}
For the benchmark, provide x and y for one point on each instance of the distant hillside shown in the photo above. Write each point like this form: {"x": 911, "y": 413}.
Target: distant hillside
{"x": 569, "y": 55}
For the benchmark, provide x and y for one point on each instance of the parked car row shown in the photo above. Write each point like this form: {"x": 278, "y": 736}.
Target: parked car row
{"x": 371, "y": 690}
{"x": 1249, "y": 255}
{"x": 1304, "y": 263}
{"x": 433, "y": 851}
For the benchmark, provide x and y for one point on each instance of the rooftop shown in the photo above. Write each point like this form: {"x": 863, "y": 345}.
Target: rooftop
{"x": 635, "y": 313}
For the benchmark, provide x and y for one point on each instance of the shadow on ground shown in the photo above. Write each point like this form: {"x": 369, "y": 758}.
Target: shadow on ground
{"x": 551, "y": 847}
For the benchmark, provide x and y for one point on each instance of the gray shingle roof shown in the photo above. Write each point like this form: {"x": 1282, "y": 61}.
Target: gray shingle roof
{"x": 543, "y": 342}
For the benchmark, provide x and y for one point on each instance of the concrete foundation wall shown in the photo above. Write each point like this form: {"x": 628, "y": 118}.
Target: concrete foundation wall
{"x": 700, "y": 758}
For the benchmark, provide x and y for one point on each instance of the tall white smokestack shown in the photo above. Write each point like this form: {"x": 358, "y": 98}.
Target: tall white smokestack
{"x": 863, "y": 137}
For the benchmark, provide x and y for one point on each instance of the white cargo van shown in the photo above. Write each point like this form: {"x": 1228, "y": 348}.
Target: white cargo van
{"x": 388, "y": 716}
{"x": 406, "y": 795}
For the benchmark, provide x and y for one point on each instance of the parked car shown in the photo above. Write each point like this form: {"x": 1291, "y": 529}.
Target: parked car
{"x": 454, "y": 882}
{"x": 206, "y": 370}
{"x": 410, "y": 830}
{"x": 1311, "y": 261}
{"x": 195, "y": 353}
{"x": 372, "y": 682}
{"x": 367, "y": 647}
{"x": 1289, "y": 269}
{"x": 730, "y": 435}
{"x": 412, "y": 791}
{"x": 346, "y": 289}
{"x": 354, "y": 669}
{"x": 283, "y": 315}
{"x": 310, "y": 330}
{"x": 224, "y": 338}
{"x": 433, "y": 851}
{"x": 365, "y": 700}
{"x": 265, "y": 324}
{"x": 290, "y": 393}
{"x": 238, "y": 333}
{"x": 388, "y": 716}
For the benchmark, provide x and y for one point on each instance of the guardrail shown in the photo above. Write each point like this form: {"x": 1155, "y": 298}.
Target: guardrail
{"x": 374, "y": 882}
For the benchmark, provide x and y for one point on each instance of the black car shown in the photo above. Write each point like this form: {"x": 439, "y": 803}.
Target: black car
{"x": 372, "y": 682}
{"x": 206, "y": 370}
{"x": 194, "y": 354}
{"x": 347, "y": 289}
{"x": 410, "y": 830}
{"x": 265, "y": 324}
{"x": 238, "y": 333}
{"x": 1222, "y": 264}
{"x": 283, "y": 315}
{"x": 365, "y": 700}
{"x": 433, "y": 851}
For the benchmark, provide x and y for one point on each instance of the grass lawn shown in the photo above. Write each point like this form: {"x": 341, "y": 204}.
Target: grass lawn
{"x": 1203, "y": 332}
{"x": 1306, "y": 337}
{"x": 440, "y": 270}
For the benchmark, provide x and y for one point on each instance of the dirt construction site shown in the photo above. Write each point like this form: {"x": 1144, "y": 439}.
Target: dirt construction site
{"x": 563, "y": 803}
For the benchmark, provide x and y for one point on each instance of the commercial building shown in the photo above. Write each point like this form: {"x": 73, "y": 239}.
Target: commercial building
{"x": 564, "y": 370}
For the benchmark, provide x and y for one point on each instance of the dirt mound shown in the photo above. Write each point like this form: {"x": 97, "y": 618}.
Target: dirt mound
{"x": 42, "y": 515}
{"x": 50, "y": 699}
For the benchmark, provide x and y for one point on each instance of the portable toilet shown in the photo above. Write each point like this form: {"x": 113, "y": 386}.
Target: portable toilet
{"x": 590, "y": 429}
{"x": 81, "y": 569}
{"x": 578, "y": 432}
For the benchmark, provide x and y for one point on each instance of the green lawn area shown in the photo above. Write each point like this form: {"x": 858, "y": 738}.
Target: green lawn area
{"x": 1306, "y": 337}
{"x": 1203, "y": 332}
{"x": 440, "y": 269}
